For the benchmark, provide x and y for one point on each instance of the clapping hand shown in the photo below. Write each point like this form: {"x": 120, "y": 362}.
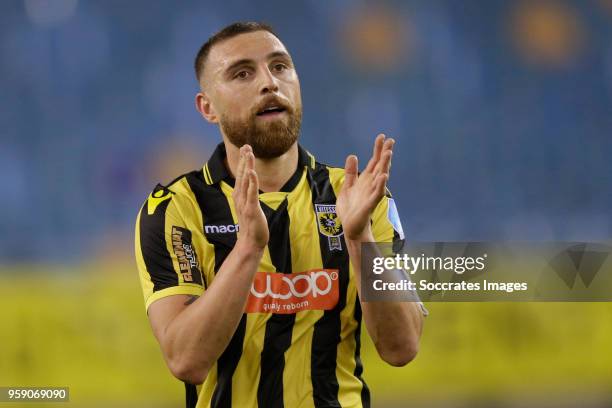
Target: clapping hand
{"x": 253, "y": 227}
{"x": 361, "y": 193}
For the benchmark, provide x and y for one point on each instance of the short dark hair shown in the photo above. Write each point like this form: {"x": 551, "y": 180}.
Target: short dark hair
{"x": 225, "y": 33}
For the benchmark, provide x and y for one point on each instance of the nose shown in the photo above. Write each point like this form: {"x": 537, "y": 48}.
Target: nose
{"x": 268, "y": 83}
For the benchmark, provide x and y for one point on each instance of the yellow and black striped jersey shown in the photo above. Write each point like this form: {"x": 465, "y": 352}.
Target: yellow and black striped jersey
{"x": 298, "y": 342}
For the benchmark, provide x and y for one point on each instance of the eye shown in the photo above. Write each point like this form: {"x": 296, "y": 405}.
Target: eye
{"x": 242, "y": 74}
{"x": 279, "y": 67}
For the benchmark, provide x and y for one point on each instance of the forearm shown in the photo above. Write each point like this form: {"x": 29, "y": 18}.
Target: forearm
{"x": 195, "y": 339}
{"x": 395, "y": 327}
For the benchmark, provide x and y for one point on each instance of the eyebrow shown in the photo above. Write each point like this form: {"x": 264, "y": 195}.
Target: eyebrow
{"x": 246, "y": 61}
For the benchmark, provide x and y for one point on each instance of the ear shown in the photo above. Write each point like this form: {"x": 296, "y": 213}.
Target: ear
{"x": 204, "y": 106}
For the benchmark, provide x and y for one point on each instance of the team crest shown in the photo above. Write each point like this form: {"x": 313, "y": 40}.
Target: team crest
{"x": 329, "y": 225}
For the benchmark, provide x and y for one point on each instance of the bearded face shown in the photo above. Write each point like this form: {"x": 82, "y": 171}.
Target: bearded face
{"x": 253, "y": 93}
{"x": 271, "y": 128}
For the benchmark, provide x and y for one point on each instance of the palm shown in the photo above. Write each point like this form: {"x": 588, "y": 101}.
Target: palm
{"x": 361, "y": 193}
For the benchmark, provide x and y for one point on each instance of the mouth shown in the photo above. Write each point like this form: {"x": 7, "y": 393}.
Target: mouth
{"x": 271, "y": 111}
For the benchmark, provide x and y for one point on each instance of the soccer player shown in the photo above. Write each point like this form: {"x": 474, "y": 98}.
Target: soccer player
{"x": 250, "y": 266}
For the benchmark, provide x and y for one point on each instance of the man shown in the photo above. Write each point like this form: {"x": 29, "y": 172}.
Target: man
{"x": 250, "y": 266}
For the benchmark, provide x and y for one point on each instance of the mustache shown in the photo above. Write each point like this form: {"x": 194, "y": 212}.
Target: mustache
{"x": 272, "y": 100}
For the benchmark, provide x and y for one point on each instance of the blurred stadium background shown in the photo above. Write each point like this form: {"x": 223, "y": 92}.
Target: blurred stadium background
{"x": 502, "y": 111}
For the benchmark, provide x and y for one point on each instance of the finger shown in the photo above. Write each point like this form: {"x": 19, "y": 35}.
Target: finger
{"x": 239, "y": 171}
{"x": 384, "y": 164}
{"x": 350, "y": 171}
{"x": 378, "y": 146}
{"x": 253, "y": 188}
{"x": 376, "y": 193}
{"x": 388, "y": 144}
{"x": 379, "y": 188}
{"x": 249, "y": 160}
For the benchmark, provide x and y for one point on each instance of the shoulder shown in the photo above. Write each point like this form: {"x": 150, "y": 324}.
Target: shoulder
{"x": 175, "y": 195}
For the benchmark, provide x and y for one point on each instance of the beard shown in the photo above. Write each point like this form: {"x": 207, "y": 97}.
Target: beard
{"x": 269, "y": 139}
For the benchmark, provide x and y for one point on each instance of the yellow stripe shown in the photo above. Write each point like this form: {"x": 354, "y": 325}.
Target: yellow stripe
{"x": 312, "y": 160}
{"x": 210, "y": 179}
{"x": 207, "y": 177}
{"x": 349, "y": 391}
{"x": 273, "y": 199}
{"x": 382, "y": 229}
{"x": 205, "y": 392}
{"x": 184, "y": 289}
{"x": 246, "y": 377}
{"x": 336, "y": 177}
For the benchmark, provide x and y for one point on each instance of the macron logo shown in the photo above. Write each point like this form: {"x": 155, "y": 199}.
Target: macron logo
{"x": 221, "y": 229}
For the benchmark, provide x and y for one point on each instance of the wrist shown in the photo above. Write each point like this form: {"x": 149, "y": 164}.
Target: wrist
{"x": 248, "y": 248}
{"x": 365, "y": 236}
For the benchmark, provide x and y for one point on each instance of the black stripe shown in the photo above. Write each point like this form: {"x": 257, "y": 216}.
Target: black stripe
{"x": 153, "y": 245}
{"x": 226, "y": 365}
{"x": 365, "y": 391}
{"x": 398, "y": 242}
{"x": 216, "y": 211}
{"x": 326, "y": 336}
{"x": 279, "y": 327}
{"x": 279, "y": 243}
{"x": 191, "y": 395}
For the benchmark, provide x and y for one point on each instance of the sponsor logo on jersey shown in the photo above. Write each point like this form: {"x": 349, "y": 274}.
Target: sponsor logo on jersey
{"x": 185, "y": 254}
{"x": 329, "y": 225}
{"x": 221, "y": 229}
{"x": 275, "y": 292}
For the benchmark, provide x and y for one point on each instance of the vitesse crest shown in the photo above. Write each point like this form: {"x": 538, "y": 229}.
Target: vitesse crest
{"x": 329, "y": 225}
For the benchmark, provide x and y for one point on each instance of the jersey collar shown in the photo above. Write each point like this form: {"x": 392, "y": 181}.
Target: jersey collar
{"x": 215, "y": 171}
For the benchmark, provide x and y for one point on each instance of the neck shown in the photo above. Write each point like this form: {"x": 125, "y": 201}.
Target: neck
{"x": 272, "y": 173}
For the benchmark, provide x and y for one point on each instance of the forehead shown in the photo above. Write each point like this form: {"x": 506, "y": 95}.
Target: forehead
{"x": 253, "y": 46}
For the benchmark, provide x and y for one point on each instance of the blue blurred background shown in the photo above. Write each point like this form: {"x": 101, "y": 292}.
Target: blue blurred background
{"x": 502, "y": 111}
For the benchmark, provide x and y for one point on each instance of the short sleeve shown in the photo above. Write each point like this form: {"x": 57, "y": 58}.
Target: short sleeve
{"x": 387, "y": 227}
{"x": 386, "y": 224}
{"x": 167, "y": 260}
